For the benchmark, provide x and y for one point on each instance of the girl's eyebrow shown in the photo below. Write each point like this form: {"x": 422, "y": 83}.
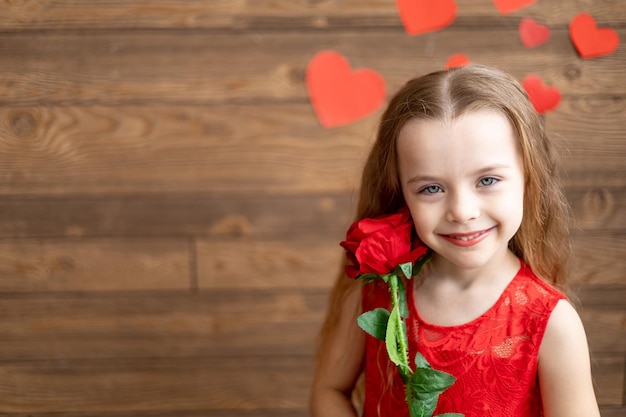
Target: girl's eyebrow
{"x": 492, "y": 168}
{"x": 420, "y": 178}
{"x": 429, "y": 178}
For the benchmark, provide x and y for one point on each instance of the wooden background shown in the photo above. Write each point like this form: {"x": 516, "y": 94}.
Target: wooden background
{"x": 170, "y": 207}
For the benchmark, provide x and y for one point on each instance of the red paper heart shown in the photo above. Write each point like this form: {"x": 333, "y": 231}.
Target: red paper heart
{"x": 340, "y": 95}
{"x": 543, "y": 97}
{"x": 457, "y": 60}
{"x": 508, "y": 6}
{"x": 590, "y": 41}
{"x": 422, "y": 16}
{"x": 532, "y": 33}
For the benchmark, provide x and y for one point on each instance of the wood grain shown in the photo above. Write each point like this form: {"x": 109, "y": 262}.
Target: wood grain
{"x": 250, "y": 14}
{"x": 147, "y": 67}
{"x": 263, "y": 264}
{"x": 609, "y": 381}
{"x": 131, "y": 149}
{"x": 163, "y": 384}
{"x": 94, "y": 265}
{"x": 212, "y": 323}
{"x": 157, "y": 324}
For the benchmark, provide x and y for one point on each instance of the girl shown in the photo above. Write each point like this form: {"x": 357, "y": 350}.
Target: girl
{"x": 466, "y": 152}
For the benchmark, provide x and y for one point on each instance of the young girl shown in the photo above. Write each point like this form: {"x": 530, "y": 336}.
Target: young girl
{"x": 466, "y": 152}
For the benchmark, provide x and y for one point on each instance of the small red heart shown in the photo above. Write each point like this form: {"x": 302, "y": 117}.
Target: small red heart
{"x": 457, "y": 60}
{"x": 544, "y": 98}
{"x": 423, "y": 16}
{"x": 532, "y": 33}
{"x": 590, "y": 41}
{"x": 508, "y": 6}
{"x": 340, "y": 95}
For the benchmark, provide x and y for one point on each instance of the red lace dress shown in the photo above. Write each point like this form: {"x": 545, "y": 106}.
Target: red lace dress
{"x": 493, "y": 357}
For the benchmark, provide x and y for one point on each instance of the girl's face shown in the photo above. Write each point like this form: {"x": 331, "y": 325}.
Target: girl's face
{"x": 463, "y": 182}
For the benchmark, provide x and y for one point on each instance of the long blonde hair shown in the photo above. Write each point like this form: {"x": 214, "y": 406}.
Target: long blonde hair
{"x": 542, "y": 240}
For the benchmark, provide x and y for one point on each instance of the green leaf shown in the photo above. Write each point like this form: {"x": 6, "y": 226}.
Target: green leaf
{"x": 374, "y": 322}
{"x": 428, "y": 381}
{"x": 391, "y": 341}
{"x": 427, "y": 384}
{"x": 407, "y": 269}
{"x": 420, "y": 361}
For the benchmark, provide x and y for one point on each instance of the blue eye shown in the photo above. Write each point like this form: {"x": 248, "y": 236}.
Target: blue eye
{"x": 431, "y": 189}
{"x": 487, "y": 181}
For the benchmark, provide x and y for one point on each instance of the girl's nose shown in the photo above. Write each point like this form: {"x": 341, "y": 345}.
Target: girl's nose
{"x": 463, "y": 206}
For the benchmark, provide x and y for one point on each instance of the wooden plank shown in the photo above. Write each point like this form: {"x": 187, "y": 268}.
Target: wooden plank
{"x": 603, "y": 311}
{"x": 220, "y": 216}
{"x": 110, "y": 326}
{"x": 251, "y": 216}
{"x": 608, "y": 375}
{"x": 210, "y": 323}
{"x": 603, "y": 296}
{"x": 131, "y": 149}
{"x": 589, "y": 158}
{"x": 150, "y": 149}
{"x": 256, "y": 412}
{"x": 94, "y": 265}
{"x": 599, "y": 259}
{"x": 267, "y": 264}
{"x": 613, "y": 411}
{"x": 606, "y": 329}
{"x": 159, "y": 384}
{"x": 185, "y": 385}
{"x": 193, "y": 67}
{"x": 266, "y": 13}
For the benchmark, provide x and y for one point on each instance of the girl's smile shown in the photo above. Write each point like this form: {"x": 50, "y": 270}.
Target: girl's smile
{"x": 467, "y": 239}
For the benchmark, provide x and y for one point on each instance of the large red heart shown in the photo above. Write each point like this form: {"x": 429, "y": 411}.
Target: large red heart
{"x": 544, "y": 98}
{"x": 532, "y": 33}
{"x": 340, "y": 95}
{"x": 590, "y": 41}
{"x": 508, "y": 6}
{"x": 422, "y": 16}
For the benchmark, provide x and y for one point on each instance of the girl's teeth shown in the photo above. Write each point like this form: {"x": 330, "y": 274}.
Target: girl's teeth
{"x": 466, "y": 238}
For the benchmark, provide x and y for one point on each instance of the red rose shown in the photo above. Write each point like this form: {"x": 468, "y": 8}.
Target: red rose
{"x": 379, "y": 245}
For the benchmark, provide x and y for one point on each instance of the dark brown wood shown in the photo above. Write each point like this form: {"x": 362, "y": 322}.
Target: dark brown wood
{"x": 245, "y": 15}
{"x": 159, "y": 324}
{"x": 153, "y": 384}
{"x": 94, "y": 265}
{"x": 248, "y": 216}
{"x": 131, "y": 149}
{"x": 608, "y": 379}
{"x": 148, "y": 67}
{"x": 134, "y": 324}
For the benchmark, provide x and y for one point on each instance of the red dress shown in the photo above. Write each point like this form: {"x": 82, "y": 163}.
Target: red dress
{"x": 493, "y": 357}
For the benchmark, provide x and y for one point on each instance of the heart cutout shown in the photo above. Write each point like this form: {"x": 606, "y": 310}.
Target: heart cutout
{"x": 508, "y": 6}
{"x": 591, "y": 42}
{"x": 457, "y": 60}
{"x": 544, "y": 98}
{"x": 423, "y": 16}
{"x": 532, "y": 33}
{"x": 340, "y": 95}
